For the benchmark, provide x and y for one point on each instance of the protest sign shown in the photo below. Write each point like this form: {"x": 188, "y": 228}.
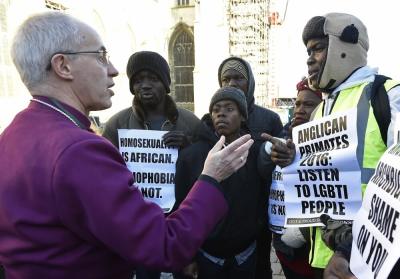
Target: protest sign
{"x": 376, "y": 236}
{"x": 396, "y": 129}
{"x": 152, "y": 164}
{"x": 276, "y": 204}
{"x": 325, "y": 177}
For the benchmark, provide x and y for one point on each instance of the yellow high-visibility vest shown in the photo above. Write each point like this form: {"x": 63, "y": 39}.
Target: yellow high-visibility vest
{"x": 369, "y": 150}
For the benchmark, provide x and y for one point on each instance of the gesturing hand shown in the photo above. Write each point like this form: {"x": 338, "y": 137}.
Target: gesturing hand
{"x": 222, "y": 162}
{"x": 282, "y": 153}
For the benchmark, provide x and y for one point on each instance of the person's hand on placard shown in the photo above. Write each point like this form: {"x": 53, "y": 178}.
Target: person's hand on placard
{"x": 176, "y": 139}
{"x": 191, "y": 271}
{"x": 338, "y": 268}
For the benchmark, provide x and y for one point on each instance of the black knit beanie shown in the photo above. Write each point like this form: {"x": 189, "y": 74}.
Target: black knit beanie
{"x": 151, "y": 61}
{"x": 314, "y": 29}
{"x": 233, "y": 94}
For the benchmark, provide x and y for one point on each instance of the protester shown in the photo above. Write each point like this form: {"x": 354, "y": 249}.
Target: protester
{"x": 229, "y": 251}
{"x": 68, "y": 205}
{"x": 337, "y": 45}
{"x": 236, "y": 72}
{"x": 292, "y": 249}
{"x": 152, "y": 107}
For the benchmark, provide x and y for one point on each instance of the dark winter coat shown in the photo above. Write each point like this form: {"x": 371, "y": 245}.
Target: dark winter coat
{"x": 244, "y": 191}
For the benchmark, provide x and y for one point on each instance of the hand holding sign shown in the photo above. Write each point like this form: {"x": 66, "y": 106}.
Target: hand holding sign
{"x": 222, "y": 162}
{"x": 176, "y": 139}
{"x": 191, "y": 271}
{"x": 338, "y": 268}
{"x": 282, "y": 154}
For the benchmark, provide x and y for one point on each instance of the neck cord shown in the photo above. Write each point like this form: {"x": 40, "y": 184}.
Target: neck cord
{"x": 56, "y": 109}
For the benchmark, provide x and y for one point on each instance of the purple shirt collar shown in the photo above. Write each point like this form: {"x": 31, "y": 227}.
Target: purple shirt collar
{"x": 77, "y": 114}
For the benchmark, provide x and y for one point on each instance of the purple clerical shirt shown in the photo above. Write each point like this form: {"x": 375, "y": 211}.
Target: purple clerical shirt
{"x": 69, "y": 209}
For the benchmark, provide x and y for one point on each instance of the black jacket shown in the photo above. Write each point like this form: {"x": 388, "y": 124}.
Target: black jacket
{"x": 244, "y": 191}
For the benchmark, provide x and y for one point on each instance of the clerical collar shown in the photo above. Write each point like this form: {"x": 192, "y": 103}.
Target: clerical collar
{"x": 69, "y": 112}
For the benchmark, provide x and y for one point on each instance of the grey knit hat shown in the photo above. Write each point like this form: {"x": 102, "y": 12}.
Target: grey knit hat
{"x": 347, "y": 49}
{"x": 151, "y": 61}
{"x": 233, "y": 94}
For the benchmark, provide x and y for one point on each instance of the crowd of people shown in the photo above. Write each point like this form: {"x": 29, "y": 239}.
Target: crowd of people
{"x": 70, "y": 207}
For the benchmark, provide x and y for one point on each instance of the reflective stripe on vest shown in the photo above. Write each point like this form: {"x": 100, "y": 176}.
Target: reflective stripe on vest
{"x": 369, "y": 149}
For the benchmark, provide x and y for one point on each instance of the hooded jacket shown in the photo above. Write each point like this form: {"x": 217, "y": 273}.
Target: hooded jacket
{"x": 260, "y": 120}
{"x": 243, "y": 191}
{"x": 178, "y": 119}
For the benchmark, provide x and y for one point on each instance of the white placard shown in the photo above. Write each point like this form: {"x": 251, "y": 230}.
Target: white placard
{"x": 376, "y": 232}
{"x": 276, "y": 204}
{"x": 152, "y": 163}
{"x": 396, "y": 129}
{"x": 325, "y": 177}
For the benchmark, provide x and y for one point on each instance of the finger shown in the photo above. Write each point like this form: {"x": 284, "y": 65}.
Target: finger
{"x": 271, "y": 139}
{"x": 173, "y": 134}
{"x": 236, "y": 163}
{"x": 241, "y": 161}
{"x": 241, "y": 151}
{"x": 285, "y": 154}
{"x": 239, "y": 157}
{"x": 280, "y": 148}
{"x": 166, "y": 135}
{"x": 240, "y": 144}
{"x": 290, "y": 144}
{"x": 266, "y": 136}
{"x": 280, "y": 162}
{"x": 173, "y": 138}
{"x": 218, "y": 146}
{"x": 174, "y": 143}
{"x": 324, "y": 219}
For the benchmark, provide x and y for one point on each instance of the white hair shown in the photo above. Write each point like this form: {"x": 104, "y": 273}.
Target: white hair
{"x": 40, "y": 37}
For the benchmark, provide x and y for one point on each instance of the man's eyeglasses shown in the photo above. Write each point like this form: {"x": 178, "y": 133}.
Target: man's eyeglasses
{"x": 104, "y": 58}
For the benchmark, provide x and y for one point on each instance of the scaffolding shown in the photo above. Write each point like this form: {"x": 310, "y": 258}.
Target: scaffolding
{"x": 248, "y": 38}
{"x": 54, "y": 5}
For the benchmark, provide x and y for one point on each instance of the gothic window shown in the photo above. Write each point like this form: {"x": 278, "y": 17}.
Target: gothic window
{"x": 183, "y": 65}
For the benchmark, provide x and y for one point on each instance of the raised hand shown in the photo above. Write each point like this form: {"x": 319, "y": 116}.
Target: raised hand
{"x": 222, "y": 162}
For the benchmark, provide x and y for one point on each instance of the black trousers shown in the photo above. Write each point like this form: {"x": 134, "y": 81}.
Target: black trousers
{"x": 230, "y": 270}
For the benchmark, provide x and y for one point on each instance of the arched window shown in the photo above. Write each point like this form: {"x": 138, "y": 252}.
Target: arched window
{"x": 183, "y": 2}
{"x": 182, "y": 68}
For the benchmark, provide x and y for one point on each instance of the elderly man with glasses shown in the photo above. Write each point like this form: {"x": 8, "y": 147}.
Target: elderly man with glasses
{"x": 68, "y": 205}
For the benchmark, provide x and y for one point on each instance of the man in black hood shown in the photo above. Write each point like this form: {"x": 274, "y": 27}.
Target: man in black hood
{"x": 236, "y": 72}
